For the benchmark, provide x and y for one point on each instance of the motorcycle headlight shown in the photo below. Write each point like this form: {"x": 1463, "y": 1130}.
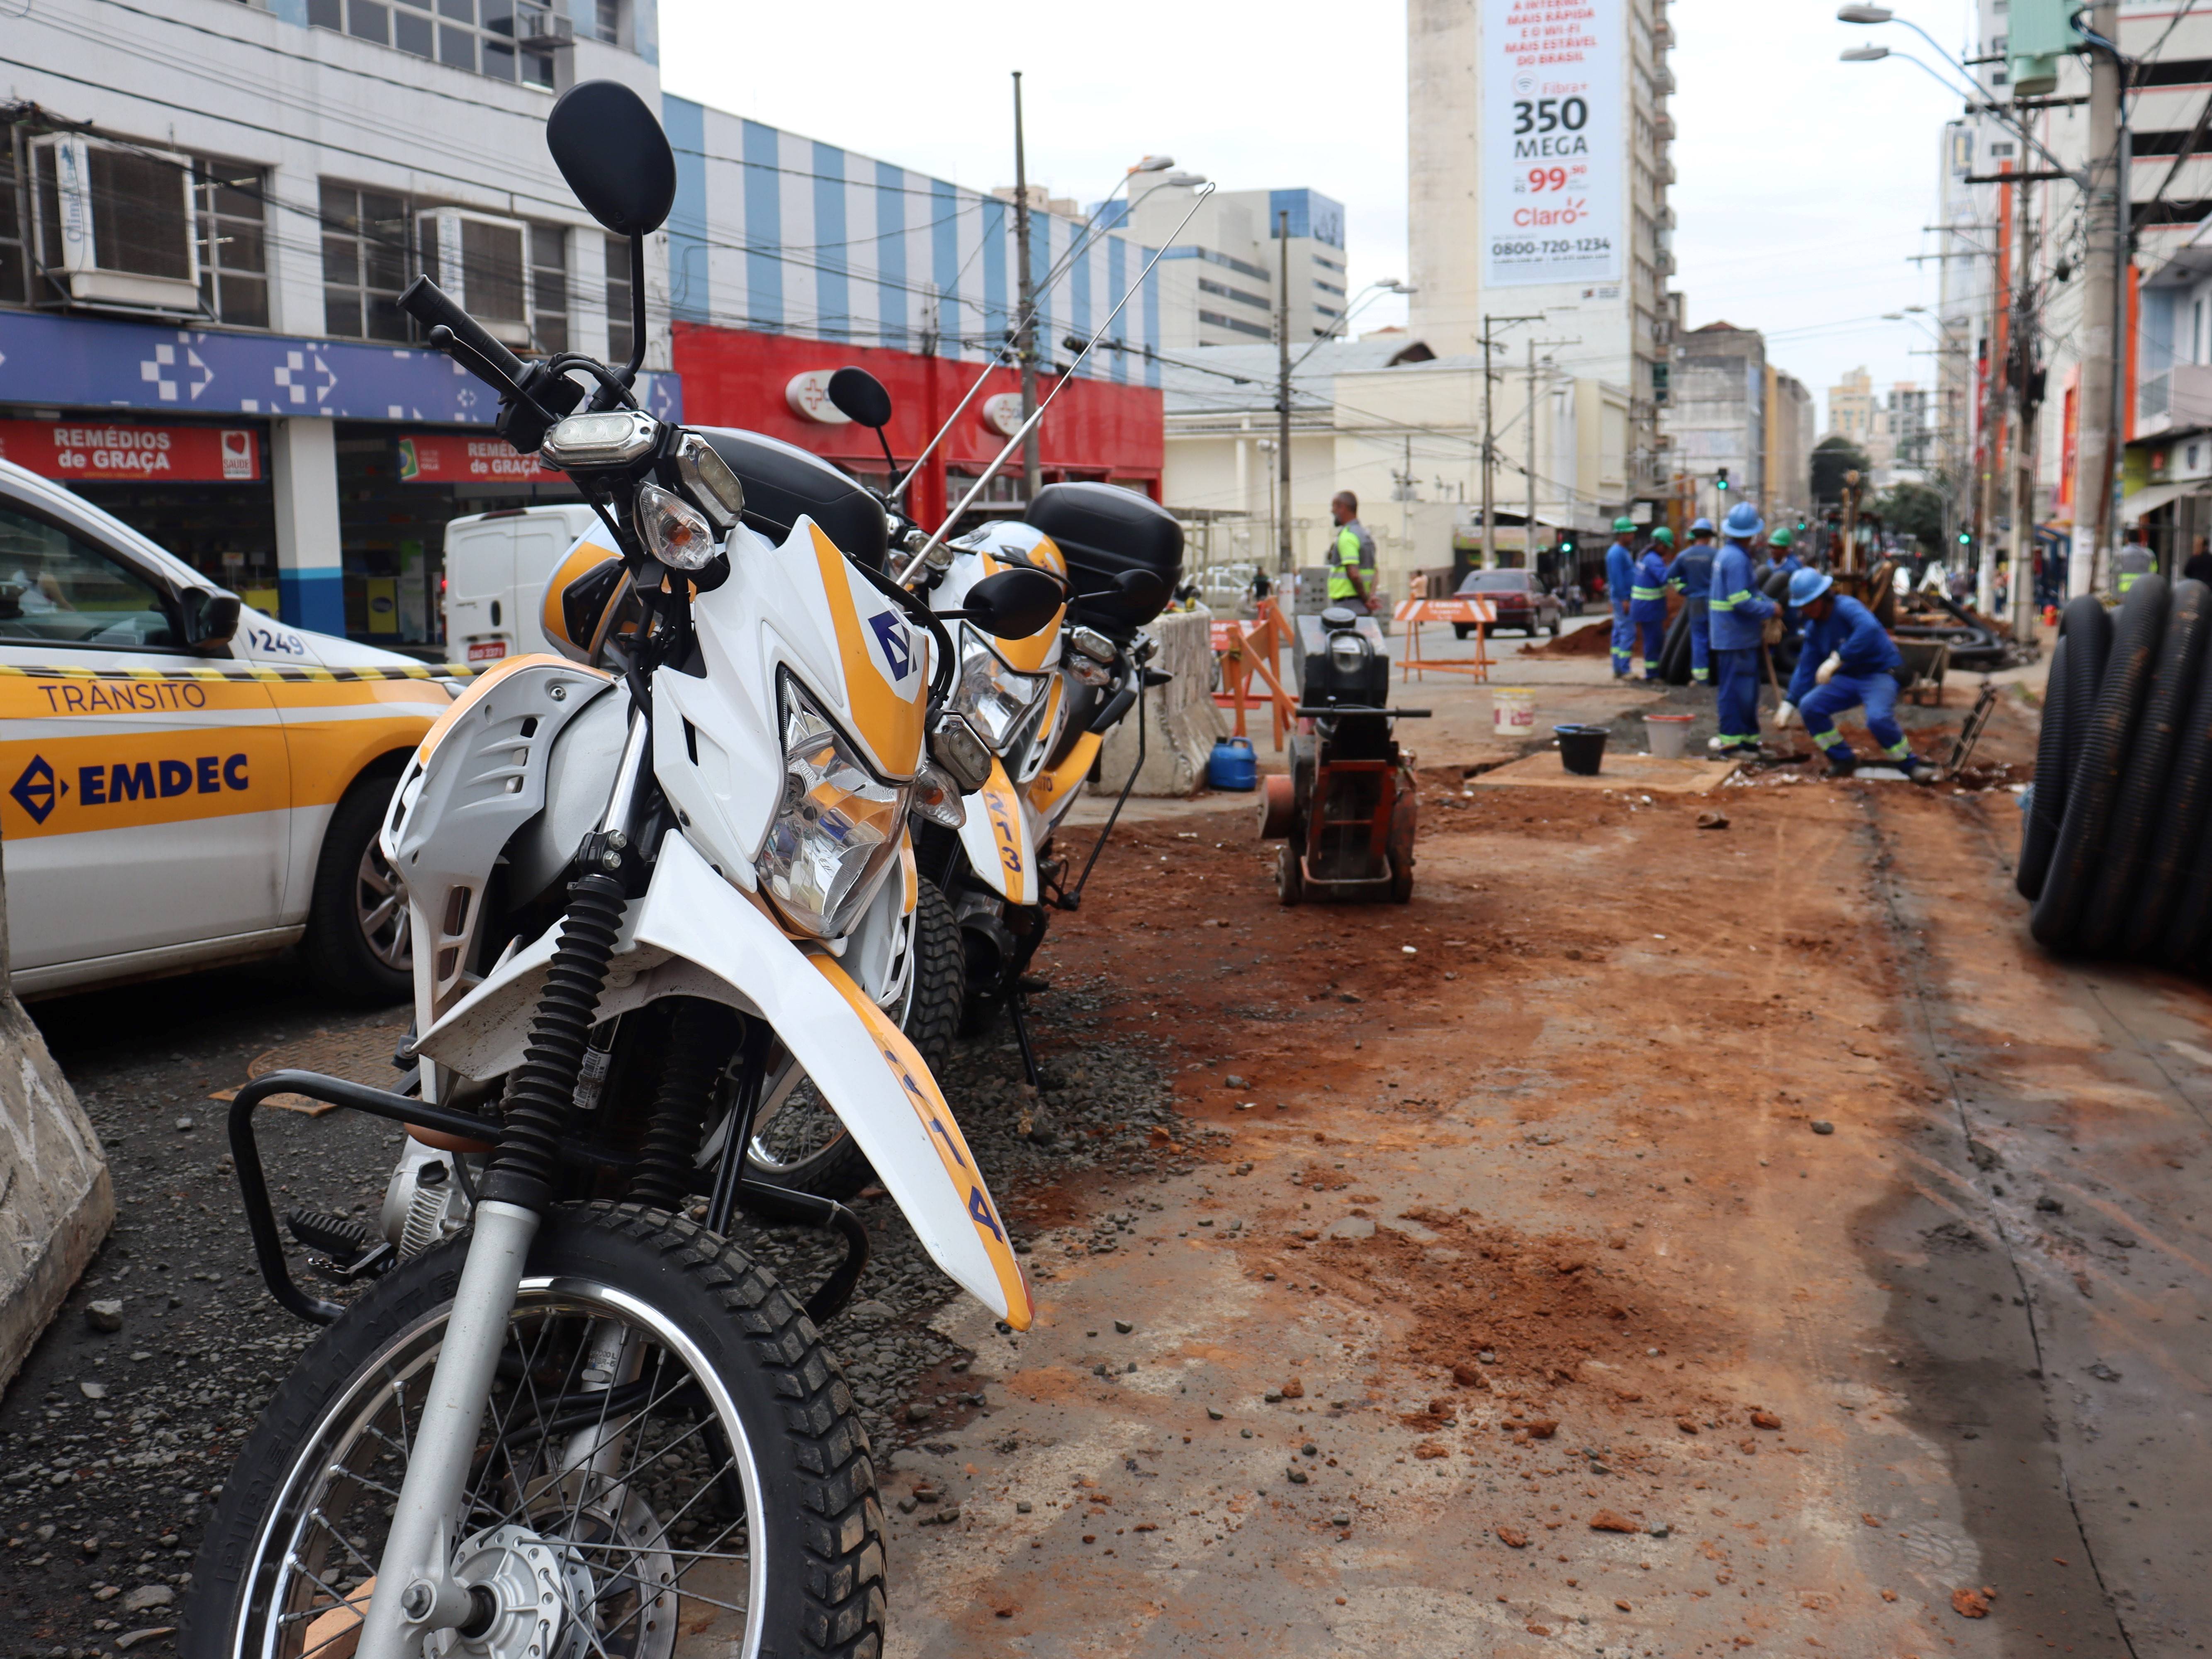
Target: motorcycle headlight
{"x": 835, "y": 829}
{"x": 995, "y": 698}
{"x": 677, "y": 531}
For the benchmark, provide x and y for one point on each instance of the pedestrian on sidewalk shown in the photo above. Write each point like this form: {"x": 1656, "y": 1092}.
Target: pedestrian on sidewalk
{"x": 2132, "y": 563}
{"x": 2199, "y": 567}
{"x": 1737, "y": 614}
{"x": 1692, "y": 576}
{"x": 1350, "y": 555}
{"x": 1848, "y": 661}
{"x": 1619, "y": 585}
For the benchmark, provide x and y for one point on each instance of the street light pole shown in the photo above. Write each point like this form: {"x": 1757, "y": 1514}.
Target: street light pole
{"x": 1489, "y": 440}
{"x": 1032, "y": 470}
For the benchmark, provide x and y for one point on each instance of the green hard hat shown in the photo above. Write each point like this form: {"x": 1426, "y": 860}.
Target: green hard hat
{"x": 1779, "y": 538}
{"x": 1663, "y": 536}
{"x": 1625, "y": 526}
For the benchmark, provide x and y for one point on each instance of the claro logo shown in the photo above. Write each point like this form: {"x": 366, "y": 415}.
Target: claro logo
{"x": 39, "y": 790}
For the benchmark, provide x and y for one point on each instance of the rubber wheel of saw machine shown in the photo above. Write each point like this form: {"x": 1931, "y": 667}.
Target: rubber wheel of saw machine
{"x": 2109, "y": 915}
{"x": 356, "y": 946}
{"x": 2099, "y": 758}
{"x": 2039, "y": 825}
{"x": 771, "y": 1404}
{"x": 1290, "y": 879}
{"x": 1405, "y": 817}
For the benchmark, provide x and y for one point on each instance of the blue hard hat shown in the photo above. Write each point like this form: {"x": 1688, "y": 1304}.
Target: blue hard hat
{"x": 1705, "y": 526}
{"x": 1743, "y": 522}
{"x": 1808, "y": 585}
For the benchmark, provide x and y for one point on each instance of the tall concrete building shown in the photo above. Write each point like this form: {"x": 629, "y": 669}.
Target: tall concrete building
{"x": 1717, "y": 417}
{"x": 1221, "y": 280}
{"x": 1790, "y": 433}
{"x": 1538, "y": 137}
{"x": 1854, "y": 411}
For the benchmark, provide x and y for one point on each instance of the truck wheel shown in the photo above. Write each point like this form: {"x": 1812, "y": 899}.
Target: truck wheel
{"x": 1289, "y": 881}
{"x": 358, "y": 944}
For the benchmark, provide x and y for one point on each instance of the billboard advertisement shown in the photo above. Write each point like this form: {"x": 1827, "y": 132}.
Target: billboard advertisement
{"x": 1553, "y": 151}
{"x": 92, "y": 450}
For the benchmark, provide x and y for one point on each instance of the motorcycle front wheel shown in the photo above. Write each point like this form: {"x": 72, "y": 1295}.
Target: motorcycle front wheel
{"x": 671, "y": 1465}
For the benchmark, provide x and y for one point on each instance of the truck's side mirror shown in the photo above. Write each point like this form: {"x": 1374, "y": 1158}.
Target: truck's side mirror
{"x": 210, "y": 619}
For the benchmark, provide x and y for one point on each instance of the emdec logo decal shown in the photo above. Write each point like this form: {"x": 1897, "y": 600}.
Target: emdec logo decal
{"x": 898, "y": 644}
{"x": 37, "y": 790}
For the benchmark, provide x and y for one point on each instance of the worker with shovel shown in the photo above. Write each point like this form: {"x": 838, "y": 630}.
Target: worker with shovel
{"x": 1847, "y": 660}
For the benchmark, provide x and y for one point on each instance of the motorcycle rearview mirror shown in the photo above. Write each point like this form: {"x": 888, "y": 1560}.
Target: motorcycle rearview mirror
{"x": 1143, "y": 589}
{"x": 610, "y": 148}
{"x": 1012, "y": 605}
{"x": 859, "y": 397}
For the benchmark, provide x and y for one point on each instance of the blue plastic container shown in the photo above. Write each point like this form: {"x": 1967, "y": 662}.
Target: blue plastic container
{"x": 1233, "y": 765}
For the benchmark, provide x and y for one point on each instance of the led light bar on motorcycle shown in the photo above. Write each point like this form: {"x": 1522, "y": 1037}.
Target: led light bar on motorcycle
{"x": 590, "y": 442}
{"x": 954, "y": 746}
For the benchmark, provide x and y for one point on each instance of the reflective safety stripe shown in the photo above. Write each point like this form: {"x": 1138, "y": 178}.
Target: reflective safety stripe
{"x": 1898, "y": 751}
{"x": 1826, "y": 739}
{"x": 1647, "y": 594}
{"x": 2129, "y": 578}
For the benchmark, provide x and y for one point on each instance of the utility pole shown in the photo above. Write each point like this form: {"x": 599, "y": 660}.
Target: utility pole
{"x": 1529, "y": 472}
{"x": 1489, "y": 441}
{"x": 1283, "y": 554}
{"x": 1025, "y": 290}
{"x": 2104, "y": 294}
{"x": 2022, "y": 497}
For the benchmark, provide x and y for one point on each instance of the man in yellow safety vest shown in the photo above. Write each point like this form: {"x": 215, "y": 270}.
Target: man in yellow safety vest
{"x": 1350, "y": 555}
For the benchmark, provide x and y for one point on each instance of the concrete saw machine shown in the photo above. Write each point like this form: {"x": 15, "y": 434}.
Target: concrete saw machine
{"x": 1347, "y": 809}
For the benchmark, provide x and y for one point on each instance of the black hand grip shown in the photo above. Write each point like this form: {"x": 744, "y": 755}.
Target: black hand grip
{"x": 1116, "y": 705}
{"x": 429, "y": 304}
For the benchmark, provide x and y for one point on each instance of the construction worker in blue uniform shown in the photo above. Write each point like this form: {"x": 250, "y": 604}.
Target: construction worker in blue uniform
{"x": 1847, "y": 660}
{"x": 1736, "y": 611}
{"x": 1692, "y": 576}
{"x": 1779, "y": 549}
{"x": 1647, "y": 608}
{"x": 1619, "y": 583}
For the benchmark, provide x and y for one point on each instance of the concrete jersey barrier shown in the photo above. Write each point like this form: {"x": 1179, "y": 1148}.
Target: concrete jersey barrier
{"x": 56, "y": 1203}
{"x": 1183, "y": 724}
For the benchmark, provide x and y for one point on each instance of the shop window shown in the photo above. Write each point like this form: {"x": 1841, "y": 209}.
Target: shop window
{"x": 549, "y": 288}
{"x": 14, "y": 261}
{"x": 480, "y": 263}
{"x": 620, "y": 341}
{"x": 607, "y": 22}
{"x": 234, "y": 247}
{"x": 364, "y": 264}
{"x": 507, "y": 39}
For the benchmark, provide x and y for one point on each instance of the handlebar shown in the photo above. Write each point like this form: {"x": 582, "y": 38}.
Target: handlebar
{"x": 429, "y": 304}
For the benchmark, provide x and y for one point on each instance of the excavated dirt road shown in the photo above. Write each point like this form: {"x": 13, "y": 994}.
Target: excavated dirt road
{"x": 1652, "y": 1240}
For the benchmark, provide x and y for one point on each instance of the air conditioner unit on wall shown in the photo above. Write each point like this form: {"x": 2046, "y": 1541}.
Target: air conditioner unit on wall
{"x": 114, "y": 225}
{"x": 482, "y": 261}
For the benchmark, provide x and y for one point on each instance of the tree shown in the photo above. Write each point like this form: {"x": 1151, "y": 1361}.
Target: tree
{"x": 1832, "y": 458}
{"x": 1914, "y": 510}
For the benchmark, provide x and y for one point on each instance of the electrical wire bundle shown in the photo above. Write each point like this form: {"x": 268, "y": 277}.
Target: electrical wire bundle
{"x": 2112, "y": 846}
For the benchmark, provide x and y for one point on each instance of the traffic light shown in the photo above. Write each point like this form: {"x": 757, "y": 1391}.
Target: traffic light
{"x": 1721, "y": 483}
{"x": 1965, "y": 538}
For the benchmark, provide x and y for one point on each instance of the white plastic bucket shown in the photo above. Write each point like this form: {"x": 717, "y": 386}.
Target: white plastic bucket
{"x": 1667, "y": 734}
{"x": 1512, "y": 712}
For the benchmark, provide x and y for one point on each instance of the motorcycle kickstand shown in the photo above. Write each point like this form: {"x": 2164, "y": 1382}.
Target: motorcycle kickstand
{"x": 1017, "y": 1013}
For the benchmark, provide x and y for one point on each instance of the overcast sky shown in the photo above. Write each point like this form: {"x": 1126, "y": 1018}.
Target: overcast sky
{"x": 1801, "y": 184}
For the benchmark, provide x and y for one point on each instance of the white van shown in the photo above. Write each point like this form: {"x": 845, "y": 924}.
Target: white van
{"x": 497, "y": 567}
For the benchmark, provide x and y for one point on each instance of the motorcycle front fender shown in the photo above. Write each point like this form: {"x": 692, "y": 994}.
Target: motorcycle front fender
{"x": 1000, "y": 840}
{"x": 693, "y": 934}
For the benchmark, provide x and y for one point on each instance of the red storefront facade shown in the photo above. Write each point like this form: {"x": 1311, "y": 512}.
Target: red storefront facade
{"x": 1099, "y": 429}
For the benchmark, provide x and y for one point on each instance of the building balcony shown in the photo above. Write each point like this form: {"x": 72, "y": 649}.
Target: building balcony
{"x": 2179, "y": 400}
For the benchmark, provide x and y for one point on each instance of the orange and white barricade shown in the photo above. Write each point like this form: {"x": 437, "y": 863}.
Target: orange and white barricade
{"x": 1460, "y": 612}
{"x": 1249, "y": 651}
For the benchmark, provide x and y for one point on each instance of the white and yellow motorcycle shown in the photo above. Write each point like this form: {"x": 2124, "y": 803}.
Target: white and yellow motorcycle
{"x": 1042, "y": 706}
{"x": 652, "y": 879}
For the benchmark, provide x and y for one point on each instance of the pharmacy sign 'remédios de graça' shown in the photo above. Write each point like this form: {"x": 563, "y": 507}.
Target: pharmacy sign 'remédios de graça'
{"x": 1551, "y": 141}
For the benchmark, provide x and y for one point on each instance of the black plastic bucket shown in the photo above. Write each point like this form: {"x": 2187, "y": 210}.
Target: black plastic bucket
{"x": 1582, "y": 748}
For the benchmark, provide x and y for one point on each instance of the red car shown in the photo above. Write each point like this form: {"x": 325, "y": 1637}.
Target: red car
{"x": 1522, "y": 601}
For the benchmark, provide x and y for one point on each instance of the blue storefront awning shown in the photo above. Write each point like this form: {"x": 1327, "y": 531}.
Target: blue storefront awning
{"x": 102, "y": 363}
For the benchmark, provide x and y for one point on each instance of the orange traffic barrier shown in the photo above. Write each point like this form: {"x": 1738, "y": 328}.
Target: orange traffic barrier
{"x": 1248, "y": 651}
{"x": 1458, "y": 612}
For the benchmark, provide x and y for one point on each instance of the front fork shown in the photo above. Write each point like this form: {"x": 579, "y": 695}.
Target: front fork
{"x": 418, "y": 1551}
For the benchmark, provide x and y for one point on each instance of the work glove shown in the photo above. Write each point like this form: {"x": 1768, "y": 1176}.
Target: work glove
{"x": 1785, "y": 717}
{"x": 1827, "y": 670}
